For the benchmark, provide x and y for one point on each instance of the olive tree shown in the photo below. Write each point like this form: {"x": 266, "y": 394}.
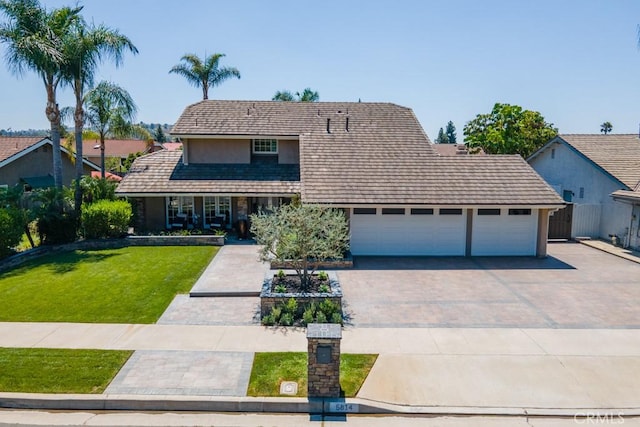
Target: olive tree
{"x": 301, "y": 234}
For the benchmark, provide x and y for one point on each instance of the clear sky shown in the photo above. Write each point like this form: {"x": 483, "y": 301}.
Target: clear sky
{"x": 575, "y": 61}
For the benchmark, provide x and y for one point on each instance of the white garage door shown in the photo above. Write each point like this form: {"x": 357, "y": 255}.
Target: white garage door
{"x": 504, "y": 232}
{"x": 393, "y": 231}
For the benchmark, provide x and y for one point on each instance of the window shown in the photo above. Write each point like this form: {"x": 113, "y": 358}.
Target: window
{"x": 519, "y": 211}
{"x": 450, "y": 211}
{"x": 364, "y": 211}
{"x": 567, "y": 195}
{"x": 392, "y": 211}
{"x": 488, "y": 211}
{"x": 265, "y": 146}
{"x": 180, "y": 211}
{"x": 421, "y": 211}
{"x": 217, "y": 212}
{"x": 553, "y": 153}
{"x": 581, "y": 194}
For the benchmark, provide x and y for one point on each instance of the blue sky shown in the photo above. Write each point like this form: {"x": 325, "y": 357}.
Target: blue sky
{"x": 575, "y": 61}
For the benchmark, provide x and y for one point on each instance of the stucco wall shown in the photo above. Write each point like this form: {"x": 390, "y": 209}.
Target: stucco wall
{"x": 567, "y": 170}
{"x": 219, "y": 150}
{"x": 38, "y": 163}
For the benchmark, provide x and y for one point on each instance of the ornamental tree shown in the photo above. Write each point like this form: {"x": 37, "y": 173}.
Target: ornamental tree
{"x": 508, "y": 129}
{"x": 301, "y": 234}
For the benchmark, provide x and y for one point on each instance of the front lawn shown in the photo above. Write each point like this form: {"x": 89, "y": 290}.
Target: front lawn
{"x": 46, "y": 370}
{"x": 270, "y": 369}
{"x": 127, "y": 285}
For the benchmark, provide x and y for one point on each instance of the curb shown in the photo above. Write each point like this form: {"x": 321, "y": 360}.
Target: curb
{"x": 106, "y": 402}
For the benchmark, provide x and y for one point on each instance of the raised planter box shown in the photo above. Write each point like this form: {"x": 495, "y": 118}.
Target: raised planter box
{"x": 197, "y": 240}
{"x": 269, "y": 299}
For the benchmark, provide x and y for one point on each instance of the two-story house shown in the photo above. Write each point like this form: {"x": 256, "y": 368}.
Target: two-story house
{"x": 373, "y": 160}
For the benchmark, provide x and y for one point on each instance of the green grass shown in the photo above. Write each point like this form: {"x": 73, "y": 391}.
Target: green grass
{"x": 270, "y": 369}
{"x": 128, "y": 285}
{"x": 39, "y": 370}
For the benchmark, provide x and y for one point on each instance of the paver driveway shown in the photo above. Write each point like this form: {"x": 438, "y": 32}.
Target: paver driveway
{"x": 575, "y": 287}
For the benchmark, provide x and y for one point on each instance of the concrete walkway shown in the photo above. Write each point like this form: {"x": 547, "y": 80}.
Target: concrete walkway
{"x": 628, "y": 254}
{"x": 228, "y": 275}
{"x": 465, "y": 370}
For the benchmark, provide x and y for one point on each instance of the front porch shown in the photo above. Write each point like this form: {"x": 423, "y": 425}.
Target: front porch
{"x": 203, "y": 212}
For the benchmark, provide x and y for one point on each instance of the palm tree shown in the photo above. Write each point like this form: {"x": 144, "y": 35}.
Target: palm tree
{"x": 84, "y": 48}
{"x": 33, "y": 37}
{"x": 284, "y": 95}
{"x": 307, "y": 95}
{"x": 606, "y": 127}
{"x": 205, "y": 74}
{"x": 109, "y": 110}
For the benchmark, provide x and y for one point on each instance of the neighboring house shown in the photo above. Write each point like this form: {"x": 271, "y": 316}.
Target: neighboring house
{"x": 172, "y": 146}
{"x": 118, "y": 149}
{"x": 453, "y": 149}
{"x": 373, "y": 160}
{"x": 29, "y": 161}
{"x": 598, "y": 175}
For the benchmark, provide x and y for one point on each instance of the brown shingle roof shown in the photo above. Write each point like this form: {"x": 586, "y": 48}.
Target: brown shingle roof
{"x": 373, "y": 153}
{"x": 296, "y": 118}
{"x": 619, "y": 155}
{"x": 12, "y": 145}
{"x": 351, "y": 171}
{"x": 163, "y": 172}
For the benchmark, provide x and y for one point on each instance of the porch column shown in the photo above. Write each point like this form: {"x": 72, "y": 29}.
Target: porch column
{"x": 543, "y": 233}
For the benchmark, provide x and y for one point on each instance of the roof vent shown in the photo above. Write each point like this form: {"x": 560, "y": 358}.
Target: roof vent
{"x": 346, "y": 126}
{"x": 328, "y": 125}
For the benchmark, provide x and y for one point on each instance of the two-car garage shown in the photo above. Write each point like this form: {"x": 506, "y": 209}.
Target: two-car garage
{"x": 406, "y": 231}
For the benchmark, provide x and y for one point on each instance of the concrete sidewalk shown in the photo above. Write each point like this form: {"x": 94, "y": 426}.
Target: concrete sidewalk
{"x": 461, "y": 370}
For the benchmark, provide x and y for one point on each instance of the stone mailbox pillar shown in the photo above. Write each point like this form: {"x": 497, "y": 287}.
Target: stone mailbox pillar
{"x": 323, "y": 341}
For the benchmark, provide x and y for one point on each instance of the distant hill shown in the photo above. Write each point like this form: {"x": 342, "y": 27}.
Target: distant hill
{"x": 151, "y": 127}
{"x": 29, "y": 132}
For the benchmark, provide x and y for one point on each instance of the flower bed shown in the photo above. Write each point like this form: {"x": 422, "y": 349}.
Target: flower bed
{"x": 269, "y": 298}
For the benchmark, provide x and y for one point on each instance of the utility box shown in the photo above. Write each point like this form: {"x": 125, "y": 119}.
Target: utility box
{"x": 323, "y": 345}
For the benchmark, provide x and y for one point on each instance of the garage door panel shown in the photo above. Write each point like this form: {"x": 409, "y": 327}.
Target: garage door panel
{"x": 504, "y": 235}
{"x": 407, "y": 235}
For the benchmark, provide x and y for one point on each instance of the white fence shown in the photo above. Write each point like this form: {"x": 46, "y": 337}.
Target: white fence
{"x": 586, "y": 220}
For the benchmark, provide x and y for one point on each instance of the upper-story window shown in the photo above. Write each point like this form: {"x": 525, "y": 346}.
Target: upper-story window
{"x": 265, "y": 146}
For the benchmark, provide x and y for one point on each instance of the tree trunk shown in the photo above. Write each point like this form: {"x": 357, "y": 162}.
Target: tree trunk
{"x": 53, "y": 115}
{"x": 102, "y": 174}
{"x": 29, "y": 237}
{"x": 79, "y": 124}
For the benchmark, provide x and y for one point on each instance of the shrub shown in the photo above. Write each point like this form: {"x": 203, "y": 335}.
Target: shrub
{"x": 57, "y": 221}
{"x": 95, "y": 189}
{"x": 321, "y": 318}
{"x": 308, "y": 315}
{"x": 323, "y": 276}
{"x": 336, "y": 318}
{"x": 276, "y": 312}
{"x": 291, "y": 306}
{"x": 11, "y": 229}
{"x": 106, "y": 218}
{"x": 324, "y": 288}
{"x": 281, "y": 289}
{"x": 286, "y": 319}
{"x": 268, "y": 320}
